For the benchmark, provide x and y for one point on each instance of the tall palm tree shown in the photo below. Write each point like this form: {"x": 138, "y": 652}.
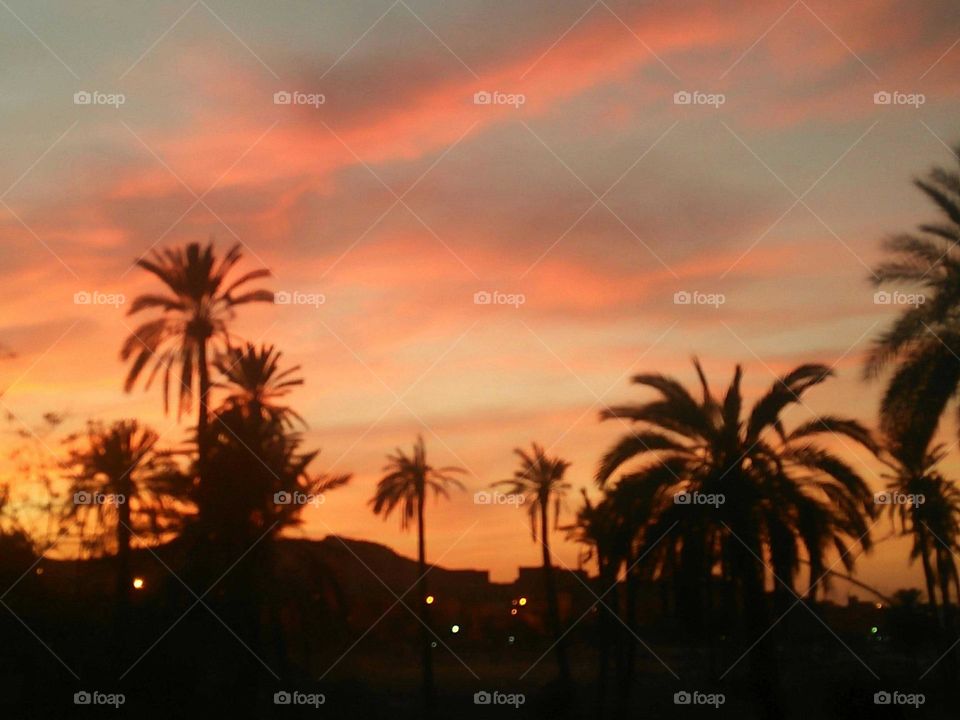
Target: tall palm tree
{"x": 912, "y": 473}
{"x": 259, "y": 482}
{"x": 408, "y": 481}
{"x": 253, "y": 440}
{"x": 943, "y": 521}
{"x": 196, "y": 309}
{"x": 122, "y": 461}
{"x": 784, "y": 497}
{"x": 923, "y": 343}
{"x": 607, "y": 534}
{"x": 927, "y": 507}
{"x": 539, "y": 479}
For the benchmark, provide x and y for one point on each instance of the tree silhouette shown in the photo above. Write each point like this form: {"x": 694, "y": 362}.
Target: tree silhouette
{"x": 408, "y": 481}
{"x": 608, "y": 534}
{"x": 923, "y": 343}
{"x": 783, "y": 496}
{"x": 196, "y": 310}
{"x": 539, "y": 479}
{"x": 252, "y": 378}
{"x": 915, "y": 475}
{"x": 120, "y": 480}
{"x": 258, "y": 474}
{"x": 613, "y": 529}
{"x": 258, "y": 483}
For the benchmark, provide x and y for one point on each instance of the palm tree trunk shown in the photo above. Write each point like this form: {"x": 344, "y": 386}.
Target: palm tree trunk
{"x": 945, "y": 594}
{"x": 928, "y": 574}
{"x": 605, "y": 627}
{"x": 553, "y": 608}
{"x": 424, "y": 610}
{"x": 630, "y": 644}
{"x": 943, "y": 573}
{"x": 123, "y": 552}
{"x": 202, "y": 420}
{"x": 124, "y": 580}
{"x": 763, "y": 656}
{"x": 622, "y": 641}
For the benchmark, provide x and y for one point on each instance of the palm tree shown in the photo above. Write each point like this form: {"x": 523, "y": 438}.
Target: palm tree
{"x": 943, "y": 521}
{"x": 196, "y": 310}
{"x": 624, "y": 510}
{"x": 259, "y": 482}
{"x": 408, "y": 480}
{"x": 914, "y": 474}
{"x": 121, "y": 461}
{"x": 608, "y": 535}
{"x": 253, "y": 439}
{"x": 923, "y": 343}
{"x": 539, "y": 479}
{"x": 770, "y": 496}
{"x": 252, "y": 378}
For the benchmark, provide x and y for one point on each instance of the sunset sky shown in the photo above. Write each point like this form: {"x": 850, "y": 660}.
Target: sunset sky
{"x": 598, "y": 198}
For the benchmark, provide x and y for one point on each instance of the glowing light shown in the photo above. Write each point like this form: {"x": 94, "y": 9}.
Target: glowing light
{"x": 513, "y": 612}
{"x": 874, "y": 630}
{"x": 430, "y": 599}
{"x": 138, "y": 583}
{"x": 455, "y": 629}
{"x": 879, "y": 606}
{"x": 523, "y": 601}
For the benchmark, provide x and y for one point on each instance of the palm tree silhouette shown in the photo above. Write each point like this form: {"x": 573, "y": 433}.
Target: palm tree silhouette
{"x": 613, "y": 531}
{"x": 607, "y": 534}
{"x": 784, "y": 497}
{"x": 539, "y": 479}
{"x": 252, "y": 378}
{"x": 908, "y": 476}
{"x": 408, "y": 480}
{"x": 253, "y": 440}
{"x": 122, "y": 461}
{"x": 923, "y": 342}
{"x": 941, "y": 515}
{"x": 195, "y": 311}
